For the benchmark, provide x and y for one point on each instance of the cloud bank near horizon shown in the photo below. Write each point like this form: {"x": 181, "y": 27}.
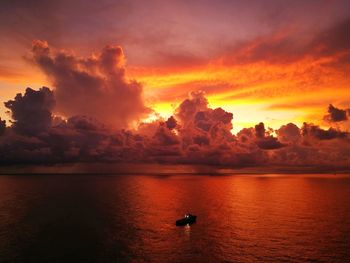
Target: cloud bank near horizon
{"x": 195, "y": 134}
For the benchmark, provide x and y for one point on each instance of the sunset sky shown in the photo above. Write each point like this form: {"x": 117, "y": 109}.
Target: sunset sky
{"x": 275, "y": 62}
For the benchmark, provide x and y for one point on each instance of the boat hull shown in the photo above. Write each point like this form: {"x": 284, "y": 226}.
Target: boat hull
{"x": 186, "y": 221}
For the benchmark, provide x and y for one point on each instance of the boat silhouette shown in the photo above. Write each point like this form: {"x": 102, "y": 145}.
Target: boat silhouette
{"x": 187, "y": 220}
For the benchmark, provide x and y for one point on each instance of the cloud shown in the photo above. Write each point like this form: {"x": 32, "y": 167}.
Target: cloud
{"x": 205, "y": 136}
{"x": 2, "y": 126}
{"x": 195, "y": 134}
{"x": 294, "y": 43}
{"x": 264, "y": 140}
{"x": 32, "y": 112}
{"x": 84, "y": 123}
{"x": 20, "y": 149}
{"x": 269, "y": 143}
{"x": 289, "y": 133}
{"x": 189, "y": 107}
{"x": 321, "y": 134}
{"x": 336, "y": 39}
{"x": 335, "y": 114}
{"x": 202, "y": 125}
{"x": 95, "y": 86}
{"x": 171, "y": 123}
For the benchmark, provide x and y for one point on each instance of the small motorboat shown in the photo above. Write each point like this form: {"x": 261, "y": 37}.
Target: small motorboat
{"x": 187, "y": 220}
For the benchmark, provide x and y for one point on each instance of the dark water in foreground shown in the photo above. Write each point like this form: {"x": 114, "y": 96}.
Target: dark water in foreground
{"x": 77, "y": 218}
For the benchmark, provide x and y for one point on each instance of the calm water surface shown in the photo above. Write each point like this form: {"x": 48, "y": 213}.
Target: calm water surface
{"x": 87, "y": 218}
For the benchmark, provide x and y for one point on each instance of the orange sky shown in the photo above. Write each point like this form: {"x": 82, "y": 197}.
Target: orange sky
{"x": 295, "y": 92}
{"x": 265, "y": 69}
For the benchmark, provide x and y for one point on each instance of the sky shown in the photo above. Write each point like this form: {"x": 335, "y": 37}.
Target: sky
{"x": 276, "y": 72}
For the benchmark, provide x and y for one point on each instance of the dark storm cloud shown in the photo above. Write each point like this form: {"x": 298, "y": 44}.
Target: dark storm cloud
{"x": 20, "y": 149}
{"x": 260, "y": 130}
{"x": 264, "y": 140}
{"x": 171, "y": 122}
{"x": 32, "y": 112}
{"x": 95, "y": 86}
{"x": 336, "y": 114}
{"x": 269, "y": 143}
{"x": 321, "y": 134}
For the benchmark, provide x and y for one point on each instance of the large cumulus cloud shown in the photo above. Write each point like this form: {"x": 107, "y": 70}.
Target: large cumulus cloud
{"x": 95, "y": 86}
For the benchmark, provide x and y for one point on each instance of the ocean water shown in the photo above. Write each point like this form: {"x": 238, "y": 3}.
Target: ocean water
{"x": 131, "y": 218}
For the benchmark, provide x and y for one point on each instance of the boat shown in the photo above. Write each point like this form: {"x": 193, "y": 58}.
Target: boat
{"x": 187, "y": 220}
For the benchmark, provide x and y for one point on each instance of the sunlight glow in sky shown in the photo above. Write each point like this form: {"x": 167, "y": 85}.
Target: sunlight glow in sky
{"x": 272, "y": 62}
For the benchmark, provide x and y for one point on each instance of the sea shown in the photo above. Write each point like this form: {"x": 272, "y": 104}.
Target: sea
{"x": 131, "y": 218}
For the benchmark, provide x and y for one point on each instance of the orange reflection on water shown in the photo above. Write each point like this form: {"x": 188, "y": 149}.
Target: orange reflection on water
{"x": 270, "y": 217}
